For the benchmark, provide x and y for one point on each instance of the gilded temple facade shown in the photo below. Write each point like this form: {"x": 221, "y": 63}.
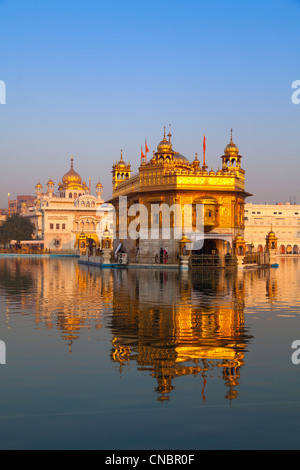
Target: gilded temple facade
{"x": 171, "y": 179}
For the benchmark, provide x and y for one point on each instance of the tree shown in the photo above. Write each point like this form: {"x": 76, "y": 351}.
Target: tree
{"x": 16, "y": 227}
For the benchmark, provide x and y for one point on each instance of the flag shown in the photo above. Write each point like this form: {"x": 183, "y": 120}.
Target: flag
{"x": 146, "y": 147}
{"x": 142, "y": 154}
{"x": 204, "y": 150}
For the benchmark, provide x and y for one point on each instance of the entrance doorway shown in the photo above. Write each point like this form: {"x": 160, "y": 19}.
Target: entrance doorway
{"x": 209, "y": 248}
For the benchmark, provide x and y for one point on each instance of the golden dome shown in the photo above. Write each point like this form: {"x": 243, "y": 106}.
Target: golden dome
{"x": 71, "y": 177}
{"x": 185, "y": 239}
{"x": 165, "y": 145}
{"x": 271, "y": 234}
{"x": 196, "y": 162}
{"x": 181, "y": 159}
{"x": 239, "y": 238}
{"x": 121, "y": 161}
{"x": 50, "y": 182}
{"x": 231, "y": 147}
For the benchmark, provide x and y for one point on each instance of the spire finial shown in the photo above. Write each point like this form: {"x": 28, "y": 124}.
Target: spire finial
{"x": 170, "y": 135}
{"x": 72, "y": 162}
{"x": 231, "y": 135}
{"x": 164, "y": 132}
{"x": 121, "y": 155}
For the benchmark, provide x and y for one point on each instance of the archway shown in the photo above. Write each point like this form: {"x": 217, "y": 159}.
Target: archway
{"x": 289, "y": 250}
{"x": 282, "y": 250}
{"x": 208, "y": 248}
{"x": 295, "y": 250}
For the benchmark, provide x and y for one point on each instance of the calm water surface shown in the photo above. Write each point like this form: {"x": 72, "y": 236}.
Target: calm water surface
{"x": 148, "y": 359}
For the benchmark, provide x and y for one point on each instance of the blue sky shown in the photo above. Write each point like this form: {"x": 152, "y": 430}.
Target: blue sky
{"x": 89, "y": 78}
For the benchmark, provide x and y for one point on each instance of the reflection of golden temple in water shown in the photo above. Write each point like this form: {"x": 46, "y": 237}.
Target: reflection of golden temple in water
{"x": 170, "y": 324}
{"x": 176, "y": 326}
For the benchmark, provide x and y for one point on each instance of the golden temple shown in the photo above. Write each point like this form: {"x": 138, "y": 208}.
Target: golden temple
{"x": 169, "y": 178}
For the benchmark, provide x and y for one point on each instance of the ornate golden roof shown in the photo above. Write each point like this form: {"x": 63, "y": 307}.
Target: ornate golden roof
{"x": 121, "y": 161}
{"x": 271, "y": 234}
{"x": 71, "y": 177}
{"x": 165, "y": 146}
{"x": 181, "y": 159}
{"x": 231, "y": 148}
{"x": 239, "y": 238}
{"x": 196, "y": 162}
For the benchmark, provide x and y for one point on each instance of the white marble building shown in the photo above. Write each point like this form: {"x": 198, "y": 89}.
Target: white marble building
{"x": 71, "y": 219}
{"x": 283, "y": 219}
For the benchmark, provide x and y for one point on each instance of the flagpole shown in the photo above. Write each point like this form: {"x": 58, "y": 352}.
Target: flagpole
{"x": 204, "y": 151}
{"x": 146, "y": 150}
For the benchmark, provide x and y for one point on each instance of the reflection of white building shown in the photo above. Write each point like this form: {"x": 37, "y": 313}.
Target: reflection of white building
{"x": 284, "y": 219}
{"x": 73, "y": 218}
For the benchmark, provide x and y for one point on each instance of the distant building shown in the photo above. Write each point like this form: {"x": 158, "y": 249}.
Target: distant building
{"x": 27, "y": 201}
{"x": 12, "y": 206}
{"x": 71, "y": 219}
{"x": 20, "y": 204}
{"x": 283, "y": 219}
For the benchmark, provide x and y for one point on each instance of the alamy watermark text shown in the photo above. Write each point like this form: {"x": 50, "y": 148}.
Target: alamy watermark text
{"x": 2, "y": 92}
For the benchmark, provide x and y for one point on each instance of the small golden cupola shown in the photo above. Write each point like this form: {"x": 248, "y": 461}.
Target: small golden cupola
{"x": 271, "y": 240}
{"x": 50, "y": 187}
{"x": 39, "y": 189}
{"x": 231, "y": 158}
{"x": 99, "y": 190}
{"x": 196, "y": 163}
{"x": 121, "y": 171}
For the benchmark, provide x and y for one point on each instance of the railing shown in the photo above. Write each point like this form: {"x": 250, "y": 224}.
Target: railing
{"x": 253, "y": 258}
{"x": 230, "y": 260}
{"x": 257, "y": 258}
{"x": 212, "y": 260}
{"x": 21, "y": 251}
{"x": 153, "y": 259}
{"x": 205, "y": 260}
